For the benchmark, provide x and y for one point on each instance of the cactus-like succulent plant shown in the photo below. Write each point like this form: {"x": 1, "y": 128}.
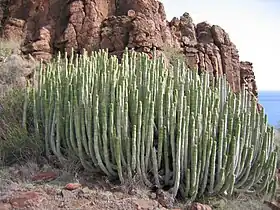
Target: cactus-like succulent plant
{"x": 172, "y": 127}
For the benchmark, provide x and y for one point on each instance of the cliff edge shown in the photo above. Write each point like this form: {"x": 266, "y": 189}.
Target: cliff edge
{"x": 47, "y": 26}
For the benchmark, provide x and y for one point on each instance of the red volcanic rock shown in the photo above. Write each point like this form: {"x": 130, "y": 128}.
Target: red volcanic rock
{"x": 44, "y": 176}
{"x": 199, "y": 206}
{"x": 72, "y": 186}
{"x": 51, "y": 25}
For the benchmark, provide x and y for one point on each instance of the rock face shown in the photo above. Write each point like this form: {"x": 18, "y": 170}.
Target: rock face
{"x": 51, "y": 25}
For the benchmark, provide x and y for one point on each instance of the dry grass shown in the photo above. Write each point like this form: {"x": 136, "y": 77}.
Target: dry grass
{"x": 240, "y": 205}
{"x": 237, "y": 202}
{"x": 173, "y": 55}
{"x": 13, "y": 68}
{"x": 7, "y": 47}
{"x": 14, "y": 73}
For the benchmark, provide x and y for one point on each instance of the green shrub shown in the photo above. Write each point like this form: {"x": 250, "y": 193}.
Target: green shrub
{"x": 17, "y": 142}
{"x": 175, "y": 128}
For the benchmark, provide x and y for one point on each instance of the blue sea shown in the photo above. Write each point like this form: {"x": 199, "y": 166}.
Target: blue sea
{"x": 270, "y": 100}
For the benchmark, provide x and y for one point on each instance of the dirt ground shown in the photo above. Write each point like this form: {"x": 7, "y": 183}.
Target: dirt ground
{"x": 29, "y": 187}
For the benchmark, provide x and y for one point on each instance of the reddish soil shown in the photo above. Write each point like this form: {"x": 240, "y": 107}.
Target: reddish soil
{"x": 28, "y": 187}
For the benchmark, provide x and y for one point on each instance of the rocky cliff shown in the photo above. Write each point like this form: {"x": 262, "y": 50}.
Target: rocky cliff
{"x": 47, "y": 26}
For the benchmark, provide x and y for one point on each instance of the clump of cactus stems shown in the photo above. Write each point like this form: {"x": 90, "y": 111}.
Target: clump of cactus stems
{"x": 172, "y": 127}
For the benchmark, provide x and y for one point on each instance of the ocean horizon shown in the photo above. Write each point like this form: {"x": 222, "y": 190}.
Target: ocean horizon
{"x": 270, "y": 100}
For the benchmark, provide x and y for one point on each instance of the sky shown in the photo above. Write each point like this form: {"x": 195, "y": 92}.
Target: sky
{"x": 253, "y": 26}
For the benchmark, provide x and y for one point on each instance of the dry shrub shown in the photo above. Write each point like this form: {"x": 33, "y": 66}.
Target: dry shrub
{"x": 237, "y": 202}
{"x": 14, "y": 69}
{"x": 173, "y": 55}
{"x": 7, "y": 47}
{"x": 245, "y": 204}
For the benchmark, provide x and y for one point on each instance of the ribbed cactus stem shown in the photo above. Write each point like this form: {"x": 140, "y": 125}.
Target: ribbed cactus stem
{"x": 166, "y": 124}
{"x": 134, "y": 148}
{"x": 118, "y": 158}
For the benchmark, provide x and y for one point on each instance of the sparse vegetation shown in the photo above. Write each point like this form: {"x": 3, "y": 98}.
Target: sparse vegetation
{"x": 14, "y": 69}
{"x": 248, "y": 204}
{"x": 174, "y": 55}
{"x": 7, "y": 47}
